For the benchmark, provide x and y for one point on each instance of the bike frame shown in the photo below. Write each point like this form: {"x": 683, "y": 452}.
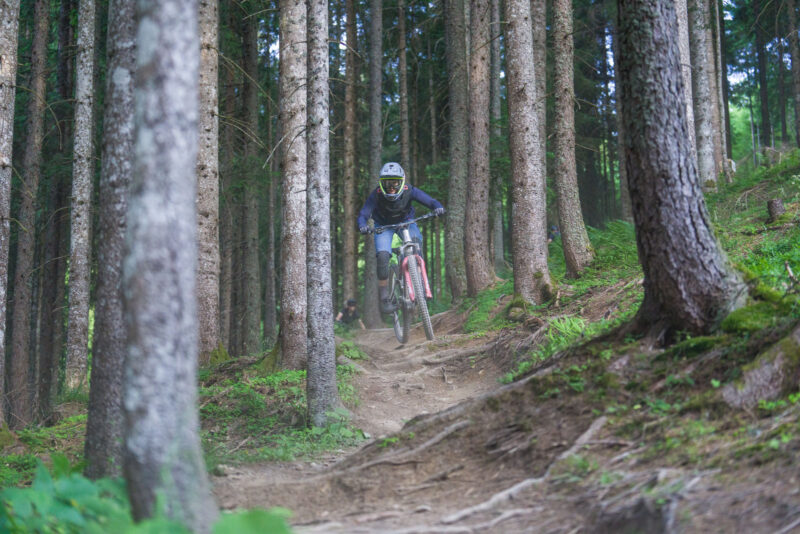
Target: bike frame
{"x": 408, "y": 248}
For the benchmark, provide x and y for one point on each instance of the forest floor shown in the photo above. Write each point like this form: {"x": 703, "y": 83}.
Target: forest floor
{"x": 593, "y": 439}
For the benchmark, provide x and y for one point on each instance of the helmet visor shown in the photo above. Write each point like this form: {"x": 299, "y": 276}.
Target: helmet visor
{"x": 391, "y": 185}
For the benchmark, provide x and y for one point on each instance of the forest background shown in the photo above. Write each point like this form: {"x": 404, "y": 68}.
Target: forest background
{"x": 405, "y": 86}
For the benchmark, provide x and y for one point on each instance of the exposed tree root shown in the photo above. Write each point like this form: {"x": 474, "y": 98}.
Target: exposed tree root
{"x": 496, "y": 499}
{"x": 455, "y": 354}
{"x": 405, "y": 457}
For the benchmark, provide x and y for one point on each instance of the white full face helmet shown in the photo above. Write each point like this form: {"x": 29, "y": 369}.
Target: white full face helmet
{"x": 392, "y": 180}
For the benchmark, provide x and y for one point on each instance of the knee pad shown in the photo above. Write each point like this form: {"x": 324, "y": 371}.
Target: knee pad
{"x": 383, "y": 264}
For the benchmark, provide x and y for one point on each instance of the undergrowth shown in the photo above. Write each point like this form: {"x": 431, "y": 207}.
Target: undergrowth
{"x": 65, "y": 502}
{"x": 252, "y": 418}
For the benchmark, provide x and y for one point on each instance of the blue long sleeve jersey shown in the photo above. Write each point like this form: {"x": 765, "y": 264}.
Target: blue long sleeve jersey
{"x": 385, "y": 212}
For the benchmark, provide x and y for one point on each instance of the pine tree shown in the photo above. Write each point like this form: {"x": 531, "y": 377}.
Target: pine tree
{"x": 104, "y": 426}
{"x": 80, "y": 260}
{"x": 19, "y": 394}
{"x": 208, "y": 260}
{"x": 688, "y": 282}
{"x": 322, "y": 392}
{"x": 528, "y": 231}
{"x": 8, "y": 86}
{"x": 476, "y": 241}
{"x": 293, "y": 239}
{"x": 163, "y": 457}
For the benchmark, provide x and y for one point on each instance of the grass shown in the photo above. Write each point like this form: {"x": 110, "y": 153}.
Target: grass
{"x": 249, "y": 418}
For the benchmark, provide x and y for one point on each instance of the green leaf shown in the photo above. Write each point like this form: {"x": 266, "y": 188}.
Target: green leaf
{"x": 252, "y": 522}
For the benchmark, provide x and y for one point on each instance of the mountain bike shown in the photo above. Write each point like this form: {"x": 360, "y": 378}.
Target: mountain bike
{"x": 408, "y": 282}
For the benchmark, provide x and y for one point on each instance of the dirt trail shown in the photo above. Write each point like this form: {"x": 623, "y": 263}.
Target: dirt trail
{"x": 468, "y": 455}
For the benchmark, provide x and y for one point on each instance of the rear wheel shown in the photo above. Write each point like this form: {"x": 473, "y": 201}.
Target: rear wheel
{"x": 400, "y": 316}
{"x": 419, "y": 295}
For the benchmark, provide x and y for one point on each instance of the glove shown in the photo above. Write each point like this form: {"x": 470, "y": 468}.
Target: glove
{"x": 364, "y": 229}
{"x": 438, "y": 212}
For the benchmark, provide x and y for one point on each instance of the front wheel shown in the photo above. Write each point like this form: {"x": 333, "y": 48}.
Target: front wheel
{"x": 400, "y": 316}
{"x": 419, "y": 295}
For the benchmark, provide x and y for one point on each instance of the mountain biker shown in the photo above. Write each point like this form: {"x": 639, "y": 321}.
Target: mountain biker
{"x": 390, "y": 203}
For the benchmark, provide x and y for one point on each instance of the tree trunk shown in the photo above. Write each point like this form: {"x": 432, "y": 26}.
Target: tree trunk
{"x": 208, "y": 260}
{"x": 455, "y": 28}
{"x": 226, "y": 232}
{"x": 763, "y": 89}
{"x": 163, "y": 457}
{"x": 80, "y": 260}
{"x": 8, "y": 86}
{"x": 251, "y": 275}
{"x": 293, "y": 238}
{"x": 688, "y": 282}
{"x": 701, "y": 92}
{"x": 577, "y": 248}
{"x": 624, "y": 192}
{"x": 794, "y": 50}
{"x": 104, "y": 427}
{"x": 713, "y": 85}
{"x": 402, "y": 67}
{"x": 476, "y": 243}
{"x": 322, "y": 393}
{"x": 496, "y": 193}
{"x": 781, "y": 94}
{"x": 539, "y": 21}
{"x": 528, "y": 233}
{"x": 19, "y": 393}
{"x": 721, "y": 79}
{"x": 270, "y": 317}
{"x": 372, "y": 316}
{"x": 684, "y": 47}
{"x": 350, "y": 246}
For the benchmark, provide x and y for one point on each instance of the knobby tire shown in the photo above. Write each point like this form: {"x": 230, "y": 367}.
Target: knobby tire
{"x": 400, "y": 316}
{"x": 419, "y": 296}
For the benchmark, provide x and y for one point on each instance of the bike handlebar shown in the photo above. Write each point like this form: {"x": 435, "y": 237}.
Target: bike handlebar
{"x": 379, "y": 229}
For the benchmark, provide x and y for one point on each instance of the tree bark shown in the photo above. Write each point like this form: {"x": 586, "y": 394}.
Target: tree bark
{"x": 349, "y": 287}
{"x": 19, "y": 393}
{"x": 781, "y": 93}
{"x": 104, "y": 427}
{"x": 455, "y": 28}
{"x": 270, "y": 317}
{"x": 682, "y": 11}
{"x": 322, "y": 392}
{"x": 8, "y": 86}
{"x": 476, "y": 244}
{"x": 251, "y": 274}
{"x": 293, "y": 238}
{"x": 372, "y": 316}
{"x": 688, "y": 282}
{"x": 163, "y": 457}
{"x": 402, "y": 67}
{"x": 226, "y": 231}
{"x": 528, "y": 232}
{"x": 208, "y": 261}
{"x": 794, "y": 50}
{"x": 539, "y": 25}
{"x": 763, "y": 90}
{"x": 496, "y": 190}
{"x": 701, "y": 93}
{"x": 577, "y": 248}
{"x": 81, "y": 213}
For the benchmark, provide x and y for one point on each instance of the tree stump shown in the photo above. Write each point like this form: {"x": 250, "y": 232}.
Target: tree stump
{"x": 775, "y": 209}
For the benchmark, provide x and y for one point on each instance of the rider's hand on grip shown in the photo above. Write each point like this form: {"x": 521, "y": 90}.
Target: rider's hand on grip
{"x": 438, "y": 212}
{"x": 365, "y": 229}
